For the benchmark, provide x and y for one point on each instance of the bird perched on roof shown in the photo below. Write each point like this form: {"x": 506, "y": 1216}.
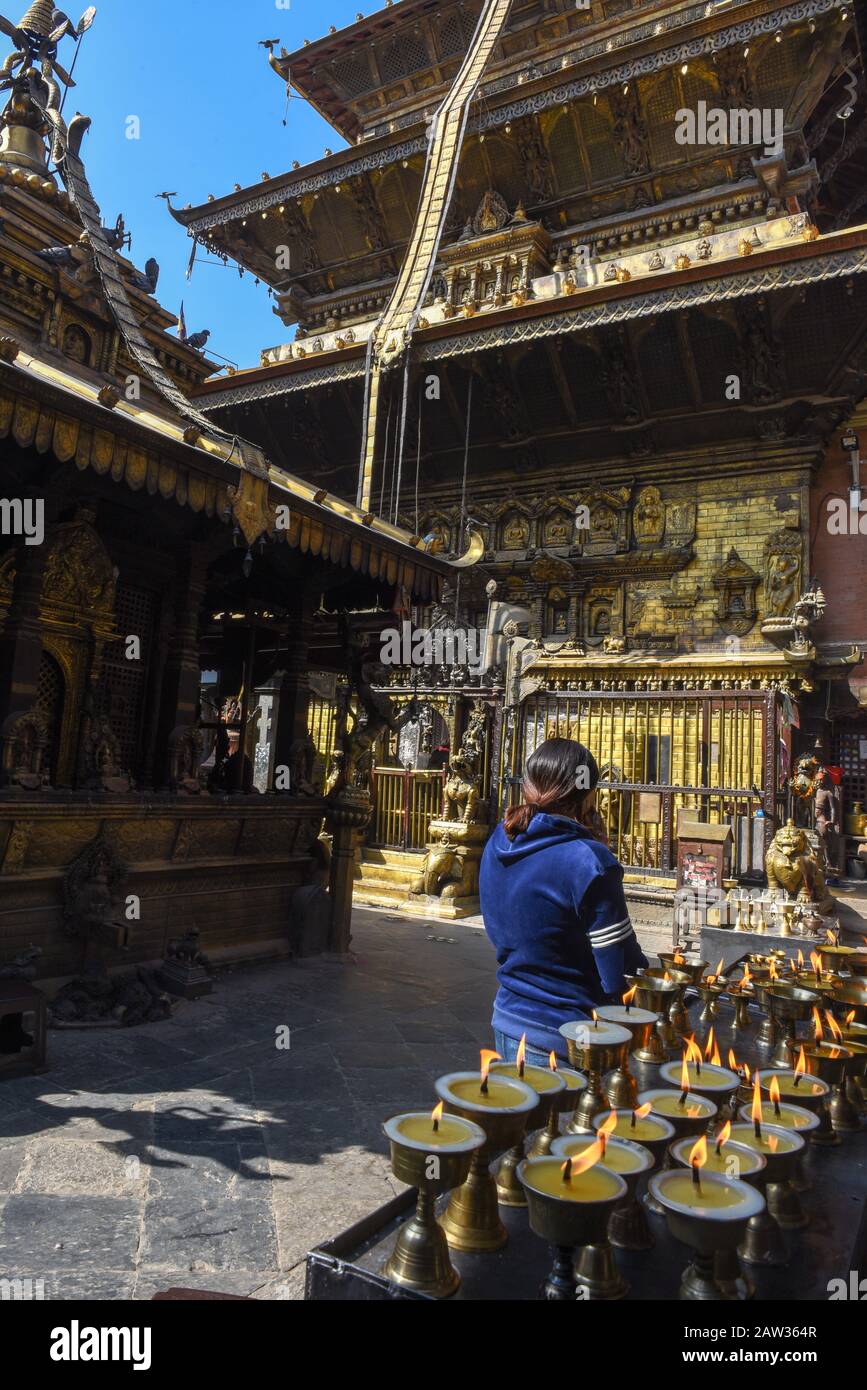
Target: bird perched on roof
{"x": 149, "y": 281}
{"x": 198, "y": 340}
{"x": 69, "y": 258}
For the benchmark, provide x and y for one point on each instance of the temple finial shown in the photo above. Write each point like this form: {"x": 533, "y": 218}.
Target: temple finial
{"x": 38, "y": 19}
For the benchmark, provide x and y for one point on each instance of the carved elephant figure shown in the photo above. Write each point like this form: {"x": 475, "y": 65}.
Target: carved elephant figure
{"x": 436, "y": 872}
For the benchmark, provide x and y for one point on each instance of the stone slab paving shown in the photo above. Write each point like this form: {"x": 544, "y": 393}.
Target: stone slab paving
{"x": 195, "y": 1152}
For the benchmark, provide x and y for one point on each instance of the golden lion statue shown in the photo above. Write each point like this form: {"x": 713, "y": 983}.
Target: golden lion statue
{"x": 791, "y": 864}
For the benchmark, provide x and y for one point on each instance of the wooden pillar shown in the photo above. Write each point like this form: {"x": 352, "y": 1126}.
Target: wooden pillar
{"x": 347, "y": 818}
{"x": 180, "y": 687}
{"x": 21, "y": 638}
{"x": 293, "y": 691}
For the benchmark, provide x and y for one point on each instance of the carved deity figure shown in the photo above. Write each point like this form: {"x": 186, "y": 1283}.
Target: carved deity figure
{"x": 461, "y": 795}
{"x": 782, "y": 573}
{"x": 649, "y": 517}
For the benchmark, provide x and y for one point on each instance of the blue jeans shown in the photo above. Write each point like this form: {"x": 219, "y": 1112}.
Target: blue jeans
{"x": 508, "y": 1050}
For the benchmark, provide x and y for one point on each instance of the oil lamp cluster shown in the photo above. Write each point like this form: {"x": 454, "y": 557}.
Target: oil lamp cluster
{"x": 713, "y": 1147}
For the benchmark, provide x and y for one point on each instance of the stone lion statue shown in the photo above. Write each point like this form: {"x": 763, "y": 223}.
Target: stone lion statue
{"x": 461, "y": 796}
{"x": 792, "y": 865}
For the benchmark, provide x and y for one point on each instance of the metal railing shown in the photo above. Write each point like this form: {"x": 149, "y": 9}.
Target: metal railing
{"x": 405, "y": 802}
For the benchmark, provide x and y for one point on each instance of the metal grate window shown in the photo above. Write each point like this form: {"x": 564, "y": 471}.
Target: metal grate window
{"x": 703, "y": 754}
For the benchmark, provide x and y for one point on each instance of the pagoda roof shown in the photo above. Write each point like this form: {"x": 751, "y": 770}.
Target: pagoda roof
{"x": 417, "y": 45}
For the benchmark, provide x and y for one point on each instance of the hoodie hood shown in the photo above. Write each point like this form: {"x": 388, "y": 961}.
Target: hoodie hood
{"x": 542, "y": 832}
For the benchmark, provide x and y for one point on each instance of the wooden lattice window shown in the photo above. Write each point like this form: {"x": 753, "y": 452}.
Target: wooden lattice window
{"x": 848, "y": 749}
{"x": 49, "y": 701}
{"x": 125, "y": 682}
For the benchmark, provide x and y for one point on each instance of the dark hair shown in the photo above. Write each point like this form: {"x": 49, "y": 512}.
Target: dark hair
{"x": 557, "y": 779}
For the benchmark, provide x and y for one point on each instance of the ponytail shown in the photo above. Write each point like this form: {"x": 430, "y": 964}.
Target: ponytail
{"x": 558, "y": 778}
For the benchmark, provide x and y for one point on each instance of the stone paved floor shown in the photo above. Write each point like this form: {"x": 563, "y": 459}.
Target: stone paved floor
{"x": 194, "y": 1152}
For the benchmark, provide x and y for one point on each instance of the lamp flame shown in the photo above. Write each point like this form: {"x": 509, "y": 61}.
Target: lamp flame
{"x": 756, "y": 1107}
{"x": 747, "y": 978}
{"x": 552, "y": 1060}
{"x": 836, "y": 1030}
{"x": 800, "y": 1066}
{"x": 666, "y": 979}
{"x": 774, "y": 1093}
{"x": 850, "y": 1018}
{"x": 607, "y": 1127}
{"x": 684, "y": 1081}
{"x": 719, "y": 969}
{"x": 800, "y": 959}
{"x": 716, "y": 1060}
{"x": 436, "y": 1115}
{"x": 772, "y": 970}
{"x": 679, "y": 959}
{"x": 487, "y": 1056}
{"x": 709, "y": 1045}
{"x": 642, "y": 1112}
{"x": 697, "y": 1159}
{"x": 724, "y": 1135}
{"x": 816, "y": 962}
{"x": 693, "y": 1051}
{"x": 818, "y": 1030}
{"x": 582, "y": 1162}
{"x": 630, "y": 995}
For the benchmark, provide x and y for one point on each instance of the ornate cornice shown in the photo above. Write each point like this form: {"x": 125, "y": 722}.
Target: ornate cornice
{"x": 282, "y": 386}
{"x": 669, "y": 299}
{"x": 673, "y": 297}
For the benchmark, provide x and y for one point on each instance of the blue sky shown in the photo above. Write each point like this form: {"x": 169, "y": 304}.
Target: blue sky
{"x": 211, "y": 113}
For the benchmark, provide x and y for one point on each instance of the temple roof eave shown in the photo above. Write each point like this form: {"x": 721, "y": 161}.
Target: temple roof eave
{"x": 49, "y": 408}
{"x": 794, "y": 263}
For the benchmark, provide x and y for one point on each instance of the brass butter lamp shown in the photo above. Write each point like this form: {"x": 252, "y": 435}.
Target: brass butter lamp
{"x": 433, "y": 1154}
{"x": 782, "y": 1150}
{"x": 657, "y": 994}
{"x": 688, "y": 1114}
{"x": 594, "y": 1047}
{"x": 596, "y": 1268}
{"x": 621, "y": 1087}
{"x": 789, "y": 1004}
{"x": 500, "y": 1105}
{"x": 784, "y": 1202}
{"x": 569, "y": 1205}
{"x": 628, "y": 1228}
{"x": 548, "y": 1084}
{"x": 729, "y": 1159}
{"x": 709, "y": 1213}
{"x": 677, "y": 1018}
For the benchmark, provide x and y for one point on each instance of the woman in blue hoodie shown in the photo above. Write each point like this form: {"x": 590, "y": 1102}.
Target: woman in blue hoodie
{"x": 552, "y": 899}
